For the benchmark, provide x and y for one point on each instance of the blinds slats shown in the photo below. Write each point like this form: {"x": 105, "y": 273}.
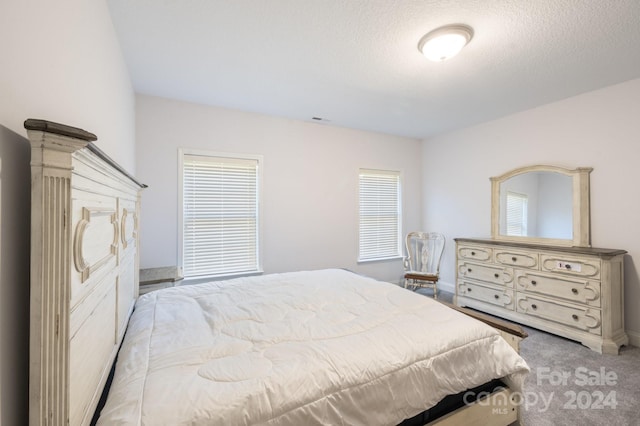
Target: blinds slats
{"x": 379, "y": 193}
{"x": 220, "y": 215}
{"x": 516, "y": 214}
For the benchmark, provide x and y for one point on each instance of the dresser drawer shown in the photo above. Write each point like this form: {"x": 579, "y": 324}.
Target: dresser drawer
{"x": 577, "y": 317}
{"x": 495, "y": 295}
{"x": 575, "y": 290}
{"x": 576, "y": 266}
{"x": 492, "y": 274}
{"x": 517, "y": 258}
{"x": 474, "y": 253}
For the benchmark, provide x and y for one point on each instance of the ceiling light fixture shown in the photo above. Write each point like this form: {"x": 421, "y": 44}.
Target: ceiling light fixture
{"x": 445, "y": 42}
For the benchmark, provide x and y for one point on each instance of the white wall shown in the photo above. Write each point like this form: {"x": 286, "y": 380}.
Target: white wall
{"x": 599, "y": 129}
{"x": 310, "y": 181}
{"x": 555, "y": 220}
{"x": 60, "y": 62}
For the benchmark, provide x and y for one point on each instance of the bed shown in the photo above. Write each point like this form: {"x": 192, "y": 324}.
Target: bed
{"x": 313, "y": 347}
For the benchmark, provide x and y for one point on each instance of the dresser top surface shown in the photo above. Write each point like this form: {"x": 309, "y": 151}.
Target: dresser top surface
{"x": 592, "y": 251}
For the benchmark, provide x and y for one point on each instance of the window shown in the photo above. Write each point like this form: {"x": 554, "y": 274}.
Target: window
{"x": 380, "y": 215}
{"x": 220, "y": 215}
{"x": 516, "y": 214}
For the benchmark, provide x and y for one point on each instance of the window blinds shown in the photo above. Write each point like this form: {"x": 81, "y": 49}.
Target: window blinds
{"x": 220, "y": 216}
{"x": 516, "y": 214}
{"x": 380, "y": 223}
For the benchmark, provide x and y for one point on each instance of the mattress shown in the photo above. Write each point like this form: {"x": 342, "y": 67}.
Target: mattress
{"x": 316, "y": 347}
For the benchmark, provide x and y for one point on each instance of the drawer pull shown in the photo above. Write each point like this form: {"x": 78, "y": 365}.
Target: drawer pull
{"x": 574, "y": 290}
{"x": 468, "y": 269}
{"x": 575, "y": 317}
{"x": 496, "y": 296}
{"x": 513, "y": 259}
{"x": 469, "y": 290}
{"x": 473, "y": 253}
{"x": 533, "y": 282}
{"x": 496, "y": 275}
{"x": 534, "y": 306}
{"x": 567, "y": 266}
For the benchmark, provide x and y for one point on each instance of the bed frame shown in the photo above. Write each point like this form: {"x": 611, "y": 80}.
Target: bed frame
{"x": 84, "y": 279}
{"x": 501, "y": 407}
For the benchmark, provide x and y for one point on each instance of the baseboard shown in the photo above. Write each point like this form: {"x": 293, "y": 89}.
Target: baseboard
{"x": 445, "y": 286}
{"x": 634, "y": 338}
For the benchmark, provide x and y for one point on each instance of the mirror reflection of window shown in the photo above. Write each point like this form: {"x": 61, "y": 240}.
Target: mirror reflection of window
{"x": 548, "y": 211}
{"x": 517, "y": 205}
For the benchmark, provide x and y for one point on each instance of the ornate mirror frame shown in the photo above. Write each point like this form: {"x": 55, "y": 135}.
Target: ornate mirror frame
{"x": 580, "y": 215}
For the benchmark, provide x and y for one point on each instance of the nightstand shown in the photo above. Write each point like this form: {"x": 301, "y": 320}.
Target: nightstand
{"x": 158, "y": 278}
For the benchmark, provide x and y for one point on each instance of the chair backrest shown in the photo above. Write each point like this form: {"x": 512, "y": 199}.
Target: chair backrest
{"x": 424, "y": 251}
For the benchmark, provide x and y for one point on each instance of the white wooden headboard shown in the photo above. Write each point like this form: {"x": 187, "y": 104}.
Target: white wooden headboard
{"x": 84, "y": 270}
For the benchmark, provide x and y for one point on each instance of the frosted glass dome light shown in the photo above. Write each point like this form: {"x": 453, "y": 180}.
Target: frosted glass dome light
{"x": 445, "y": 42}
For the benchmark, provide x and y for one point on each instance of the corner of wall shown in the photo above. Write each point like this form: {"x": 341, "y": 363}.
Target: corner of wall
{"x": 634, "y": 338}
{"x": 15, "y": 226}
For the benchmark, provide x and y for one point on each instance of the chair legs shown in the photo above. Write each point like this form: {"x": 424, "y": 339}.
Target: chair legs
{"x": 433, "y": 285}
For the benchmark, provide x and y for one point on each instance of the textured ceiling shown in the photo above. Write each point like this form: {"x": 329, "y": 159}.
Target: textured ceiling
{"x": 355, "y": 62}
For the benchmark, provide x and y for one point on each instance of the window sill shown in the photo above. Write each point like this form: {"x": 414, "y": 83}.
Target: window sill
{"x": 380, "y": 259}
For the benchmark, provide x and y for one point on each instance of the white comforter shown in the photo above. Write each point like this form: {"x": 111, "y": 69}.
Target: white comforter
{"x": 322, "y": 347}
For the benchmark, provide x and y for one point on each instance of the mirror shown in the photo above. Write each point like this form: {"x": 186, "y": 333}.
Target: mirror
{"x": 542, "y": 204}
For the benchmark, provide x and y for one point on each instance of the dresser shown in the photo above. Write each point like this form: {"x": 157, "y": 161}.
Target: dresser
{"x": 574, "y": 292}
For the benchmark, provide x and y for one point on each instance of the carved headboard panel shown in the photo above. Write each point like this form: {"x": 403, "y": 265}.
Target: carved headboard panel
{"x": 84, "y": 270}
